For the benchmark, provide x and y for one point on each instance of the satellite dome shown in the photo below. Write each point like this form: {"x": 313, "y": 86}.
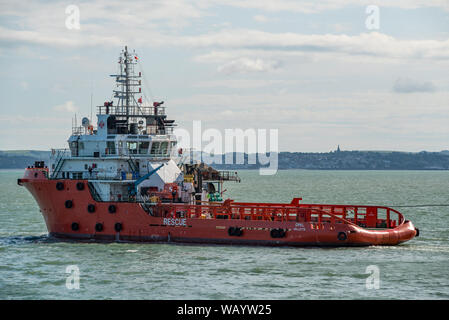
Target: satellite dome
{"x": 85, "y": 122}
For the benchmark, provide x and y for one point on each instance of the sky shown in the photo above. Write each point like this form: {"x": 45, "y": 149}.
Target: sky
{"x": 323, "y": 73}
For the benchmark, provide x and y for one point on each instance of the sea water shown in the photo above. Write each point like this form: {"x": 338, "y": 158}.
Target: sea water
{"x": 34, "y": 266}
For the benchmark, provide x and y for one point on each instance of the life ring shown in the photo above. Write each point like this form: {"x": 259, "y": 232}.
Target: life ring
{"x": 69, "y": 204}
{"x": 118, "y": 227}
{"x": 112, "y": 209}
{"x": 59, "y": 186}
{"x": 91, "y": 208}
{"x": 80, "y": 186}
{"x": 342, "y": 236}
{"x": 75, "y": 226}
{"x": 99, "y": 227}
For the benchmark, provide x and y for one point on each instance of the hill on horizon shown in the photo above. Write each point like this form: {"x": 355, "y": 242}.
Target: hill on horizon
{"x": 334, "y": 160}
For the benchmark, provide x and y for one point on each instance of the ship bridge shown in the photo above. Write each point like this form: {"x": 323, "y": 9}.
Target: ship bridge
{"x": 130, "y": 125}
{"x": 131, "y": 132}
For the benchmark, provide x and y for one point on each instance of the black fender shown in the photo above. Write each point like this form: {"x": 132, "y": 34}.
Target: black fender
{"x": 80, "y": 186}
{"x": 91, "y": 208}
{"x": 99, "y": 227}
{"x": 342, "y": 236}
{"x": 69, "y": 204}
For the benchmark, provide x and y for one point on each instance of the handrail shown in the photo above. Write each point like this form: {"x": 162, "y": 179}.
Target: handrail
{"x": 93, "y": 191}
{"x": 137, "y": 111}
{"x": 283, "y": 212}
{"x": 372, "y": 209}
{"x": 60, "y": 156}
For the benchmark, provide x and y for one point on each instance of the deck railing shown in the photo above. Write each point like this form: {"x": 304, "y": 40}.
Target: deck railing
{"x": 363, "y": 216}
{"x": 134, "y": 111}
{"x": 59, "y": 155}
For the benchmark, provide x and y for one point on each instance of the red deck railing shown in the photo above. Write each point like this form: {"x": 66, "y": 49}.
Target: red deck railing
{"x": 364, "y": 216}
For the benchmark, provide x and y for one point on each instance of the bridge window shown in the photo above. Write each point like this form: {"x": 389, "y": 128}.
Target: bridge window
{"x": 143, "y": 147}
{"x": 77, "y": 175}
{"x": 164, "y": 148}
{"x": 111, "y": 147}
{"x": 74, "y": 148}
{"x": 172, "y": 146}
{"x": 132, "y": 147}
{"x": 155, "y": 148}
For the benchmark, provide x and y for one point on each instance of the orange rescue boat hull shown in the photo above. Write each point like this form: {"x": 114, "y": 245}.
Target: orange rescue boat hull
{"x": 71, "y": 213}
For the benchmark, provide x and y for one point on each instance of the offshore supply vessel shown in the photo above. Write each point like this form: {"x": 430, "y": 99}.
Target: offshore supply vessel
{"x": 125, "y": 180}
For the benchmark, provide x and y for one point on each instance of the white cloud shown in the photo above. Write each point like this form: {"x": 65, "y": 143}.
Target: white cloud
{"x": 102, "y": 22}
{"x": 66, "y": 107}
{"x": 240, "y": 83}
{"x": 328, "y": 84}
{"x": 341, "y": 27}
{"x": 407, "y": 85}
{"x": 357, "y": 119}
{"x": 313, "y": 6}
{"x": 141, "y": 24}
{"x": 371, "y": 44}
{"x": 24, "y": 85}
{"x": 244, "y": 65}
{"x": 261, "y": 18}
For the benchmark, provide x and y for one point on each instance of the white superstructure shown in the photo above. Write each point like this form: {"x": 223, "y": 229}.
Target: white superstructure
{"x": 131, "y": 138}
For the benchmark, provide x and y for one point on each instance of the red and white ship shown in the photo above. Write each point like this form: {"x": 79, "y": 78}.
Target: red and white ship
{"x": 123, "y": 181}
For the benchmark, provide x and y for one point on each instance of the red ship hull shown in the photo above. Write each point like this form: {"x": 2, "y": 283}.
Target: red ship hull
{"x": 72, "y": 213}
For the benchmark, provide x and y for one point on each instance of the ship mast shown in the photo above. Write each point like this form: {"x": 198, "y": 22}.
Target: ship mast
{"x": 131, "y": 115}
{"x": 127, "y": 82}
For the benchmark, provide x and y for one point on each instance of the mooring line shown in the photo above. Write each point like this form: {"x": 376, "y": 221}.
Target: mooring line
{"x": 420, "y": 205}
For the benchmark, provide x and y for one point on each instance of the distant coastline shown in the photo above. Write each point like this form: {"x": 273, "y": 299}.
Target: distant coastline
{"x": 20, "y": 159}
{"x": 355, "y": 160}
{"x": 335, "y": 160}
